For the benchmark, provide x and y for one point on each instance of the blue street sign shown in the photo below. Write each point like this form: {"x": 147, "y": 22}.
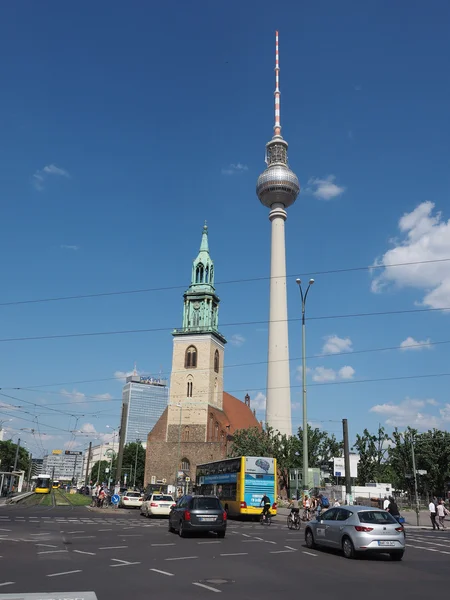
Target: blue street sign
{"x": 115, "y": 499}
{"x": 337, "y": 474}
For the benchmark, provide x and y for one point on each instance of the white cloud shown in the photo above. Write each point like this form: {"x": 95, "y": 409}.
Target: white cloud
{"x": 445, "y": 413}
{"x": 299, "y": 372}
{"x": 346, "y": 372}
{"x": 41, "y": 175}
{"x": 334, "y": 345}
{"x": 325, "y": 188}
{"x": 122, "y": 375}
{"x": 103, "y": 396}
{"x": 426, "y": 237}
{"x": 234, "y": 168}
{"x": 74, "y": 395}
{"x": 237, "y": 339}
{"x": 258, "y": 402}
{"x": 410, "y": 412}
{"x": 321, "y": 374}
{"x": 411, "y": 344}
{"x": 87, "y": 428}
{"x": 69, "y": 247}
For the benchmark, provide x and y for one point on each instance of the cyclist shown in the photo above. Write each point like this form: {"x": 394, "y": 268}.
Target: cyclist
{"x": 265, "y": 501}
{"x": 295, "y": 510}
{"x": 306, "y": 508}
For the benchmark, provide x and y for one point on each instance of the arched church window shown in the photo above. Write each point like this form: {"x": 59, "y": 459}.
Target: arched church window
{"x": 199, "y": 273}
{"x": 185, "y": 465}
{"x": 211, "y": 274}
{"x": 186, "y": 434}
{"x": 216, "y": 432}
{"x": 216, "y": 361}
{"x": 190, "y": 359}
{"x": 206, "y": 273}
{"x": 189, "y": 389}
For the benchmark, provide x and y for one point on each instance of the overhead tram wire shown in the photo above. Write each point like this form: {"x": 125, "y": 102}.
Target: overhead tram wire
{"x": 236, "y": 324}
{"x": 37, "y": 388}
{"x": 228, "y": 282}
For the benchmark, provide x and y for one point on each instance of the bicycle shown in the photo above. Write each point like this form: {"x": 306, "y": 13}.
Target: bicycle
{"x": 293, "y": 521}
{"x": 265, "y": 518}
{"x": 306, "y": 514}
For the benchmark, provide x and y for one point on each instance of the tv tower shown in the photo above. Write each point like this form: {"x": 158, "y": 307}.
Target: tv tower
{"x": 278, "y": 188}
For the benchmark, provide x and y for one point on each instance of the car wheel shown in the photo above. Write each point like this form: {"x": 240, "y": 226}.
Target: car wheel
{"x": 397, "y": 555}
{"x": 181, "y": 531}
{"x": 348, "y": 548}
{"x": 309, "y": 539}
{"x": 221, "y": 534}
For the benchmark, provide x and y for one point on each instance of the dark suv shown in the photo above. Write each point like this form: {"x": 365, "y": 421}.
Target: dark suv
{"x": 198, "y": 513}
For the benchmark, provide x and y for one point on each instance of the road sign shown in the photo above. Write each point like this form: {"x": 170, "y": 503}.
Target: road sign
{"x": 153, "y": 479}
{"x": 187, "y": 479}
{"x": 106, "y": 470}
{"x": 421, "y": 472}
{"x": 115, "y": 499}
{"x": 164, "y": 480}
{"x": 337, "y": 474}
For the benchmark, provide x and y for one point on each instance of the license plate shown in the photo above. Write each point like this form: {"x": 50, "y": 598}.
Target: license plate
{"x": 207, "y": 518}
{"x": 385, "y": 543}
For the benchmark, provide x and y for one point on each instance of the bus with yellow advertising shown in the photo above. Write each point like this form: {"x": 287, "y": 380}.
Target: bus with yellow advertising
{"x": 240, "y": 483}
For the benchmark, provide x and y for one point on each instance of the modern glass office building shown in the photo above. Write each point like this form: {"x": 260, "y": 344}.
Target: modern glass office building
{"x": 144, "y": 401}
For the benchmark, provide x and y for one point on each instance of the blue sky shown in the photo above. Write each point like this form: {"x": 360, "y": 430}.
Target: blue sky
{"x": 124, "y": 128}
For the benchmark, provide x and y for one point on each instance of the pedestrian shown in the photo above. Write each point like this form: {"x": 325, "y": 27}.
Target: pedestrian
{"x": 94, "y": 496}
{"x": 442, "y": 512}
{"x": 385, "y": 503}
{"x": 393, "y": 509}
{"x": 336, "y": 503}
{"x": 433, "y": 513}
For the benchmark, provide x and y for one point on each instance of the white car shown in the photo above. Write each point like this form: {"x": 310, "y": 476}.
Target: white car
{"x": 157, "y": 505}
{"x": 131, "y": 499}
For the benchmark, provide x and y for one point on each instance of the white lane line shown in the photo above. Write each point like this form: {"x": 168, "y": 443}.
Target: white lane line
{"x": 125, "y": 564}
{"x": 64, "y": 573}
{"x": 425, "y": 542}
{"x": 281, "y": 551}
{"x": 131, "y": 534}
{"x": 112, "y": 547}
{"x": 244, "y": 541}
{"x": 7, "y": 583}
{"x": 309, "y": 553}
{"x": 84, "y": 552}
{"x": 105, "y": 530}
{"x": 11, "y": 530}
{"x": 162, "y": 544}
{"x": 211, "y": 542}
{"x": 47, "y": 545}
{"x": 52, "y": 551}
{"x": 269, "y": 542}
{"x": 83, "y": 537}
{"x": 207, "y": 587}
{"x": 80, "y": 531}
{"x": 258, "y": 538}
{"x": 163, "y": 572}
{"x": 182, "y": 558}
{"x": 289, "y": 548}
{"x": 246, "y": 535}
{"x": 235, "y": 554}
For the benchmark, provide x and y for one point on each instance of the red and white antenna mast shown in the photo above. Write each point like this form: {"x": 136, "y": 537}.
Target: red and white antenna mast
{"x": 277, "y": 128}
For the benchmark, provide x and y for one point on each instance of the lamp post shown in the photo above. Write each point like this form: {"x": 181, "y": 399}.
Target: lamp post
{"x": 138, "y": 441}
{"x": 416, "y": 492}
{"x": 303, "y": 297}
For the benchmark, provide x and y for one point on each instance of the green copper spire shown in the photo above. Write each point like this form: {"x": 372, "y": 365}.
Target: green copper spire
{"x": 201, "y": 303}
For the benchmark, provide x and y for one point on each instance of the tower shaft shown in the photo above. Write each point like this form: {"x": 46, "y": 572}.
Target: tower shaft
{"x": 278, "y": 404}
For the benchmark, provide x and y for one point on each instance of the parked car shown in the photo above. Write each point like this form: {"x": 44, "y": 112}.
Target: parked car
{"x": 131, "y": 499}
{"x": 157, "y": 505}
{"x": 357, "y": 529}
{"x": 198, "y": 513}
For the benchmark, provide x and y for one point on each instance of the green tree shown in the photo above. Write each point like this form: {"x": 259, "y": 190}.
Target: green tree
{"x": 101, "y": 476}
{"x": 129, "y": 463}
{"x": 373, "y": 450}
{"x": 8, "y": 454}
{"x": 322, "y": 447}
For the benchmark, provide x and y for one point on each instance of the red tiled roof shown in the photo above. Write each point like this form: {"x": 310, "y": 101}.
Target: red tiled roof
{"x": 238, "y": 414}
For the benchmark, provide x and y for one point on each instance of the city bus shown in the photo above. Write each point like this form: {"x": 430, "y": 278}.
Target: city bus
{"x": 43, "y": 484}
{"x": 240, "y": 483}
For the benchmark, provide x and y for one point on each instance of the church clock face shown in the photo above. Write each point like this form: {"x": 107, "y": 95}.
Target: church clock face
{"x": 196, "y": 306}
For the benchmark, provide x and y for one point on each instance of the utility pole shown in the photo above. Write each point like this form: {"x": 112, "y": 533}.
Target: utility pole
{"x": 348, "y": 479}
{"x": 86, "y": 478}
{"x": 122, "y": 435}
{"x": 415, "y": 481}
{"x": 138, "y": 443}
{"x": 15, "y": 465}
{"x": 29, "y": 472}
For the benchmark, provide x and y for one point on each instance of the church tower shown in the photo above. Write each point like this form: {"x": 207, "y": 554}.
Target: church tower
{"x": 198, "y": 351}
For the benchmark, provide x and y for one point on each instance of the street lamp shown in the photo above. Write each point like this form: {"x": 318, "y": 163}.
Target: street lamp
{"x": 138, "y": 441}
{"x": 303, "y": 297}
{"x": 413, "y": 458}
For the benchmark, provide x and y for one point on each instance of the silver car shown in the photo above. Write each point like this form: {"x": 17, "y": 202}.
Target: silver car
{"x": 357, "y": 529}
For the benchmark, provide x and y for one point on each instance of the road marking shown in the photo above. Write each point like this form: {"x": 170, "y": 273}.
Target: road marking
{"x": 309, "y": 553}
{"x": 7, "y": 583}
{"x": 207, "y": 587}
{"x": 83, "y": 552}
{"x": 235, "y": 554}
{"x": 211, "y": 542}
{"x": 51, "y": 551}
{"x": 163, "y": 572}
{"x": 130, "y": 534}
{"x": 281, "y": 551}
{"x": 80, "y": 531}
{"x": 64, "y": 573}
{"x": 162, "y": 544}
{"x": 47, "y": 545}
{"x": 182, "y": 558}
{"x": 105, "y": 529}
{"x": 83, "y": 537}
{"x": 246, "y": 535}
{"x": 289, "y": 548}
{"x": 425, "y": 542}
{"x": 112, "y": 547}
{"x": 269, "y": 542}
{"x": 11, "y": 530}
{"x": 123, "y": 563}
{"x": 243, "y": 541}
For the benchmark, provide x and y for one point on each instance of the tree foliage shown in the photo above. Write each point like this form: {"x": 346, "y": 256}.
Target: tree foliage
{"x": 8, "y": 454}
{"x": 373, "y": 451}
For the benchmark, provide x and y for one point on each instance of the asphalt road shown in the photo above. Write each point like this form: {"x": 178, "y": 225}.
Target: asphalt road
{"x": 123, "y": 555}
